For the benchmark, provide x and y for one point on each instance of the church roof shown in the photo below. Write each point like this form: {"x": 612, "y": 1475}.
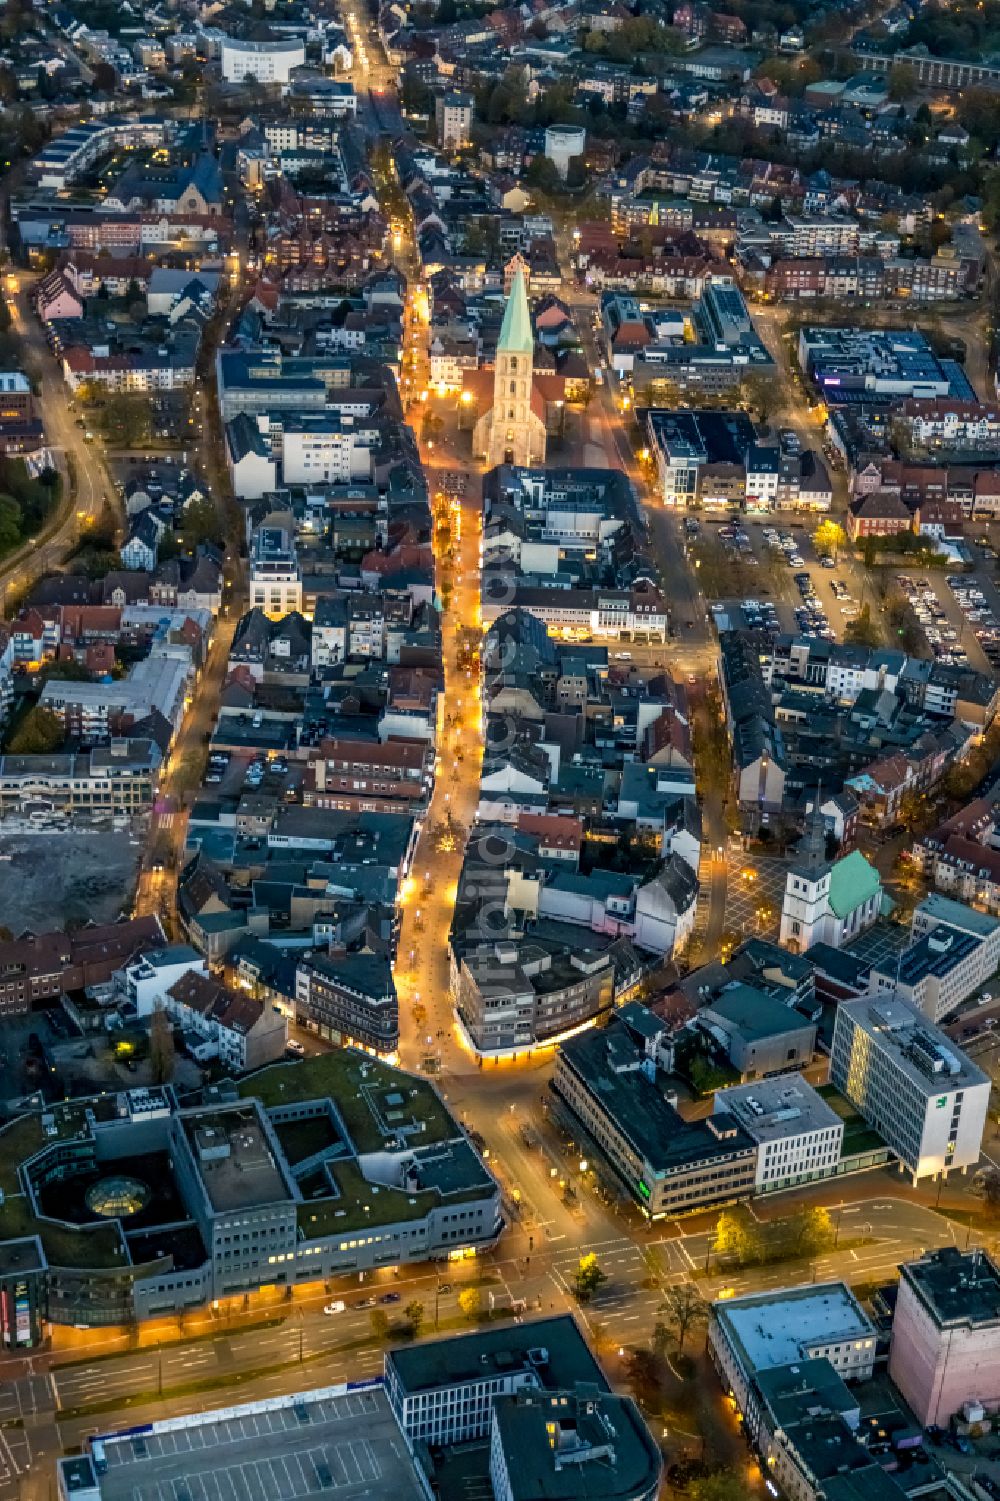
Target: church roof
{"x": 516, "y": 336}
{"x": 852, "y": 882}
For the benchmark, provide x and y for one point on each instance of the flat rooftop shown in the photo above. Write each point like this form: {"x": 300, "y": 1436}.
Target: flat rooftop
{"x": 234, "y": 1159}
{"x": 945, "y": 909}
{"x": 327, "y": 1440}
{"x": 499, "y": 1351}
{"x": 568, "y": 1447}
{"x": 771, "y": 1109}
{"x": 606, "y": 1063}
{"x": 957, "y": 1288}
{"x": 775, "y": 1329}
{"x": 936, "y": 954}
{"x": 928, "y": 1058}
{"x": 18, "y": 1257}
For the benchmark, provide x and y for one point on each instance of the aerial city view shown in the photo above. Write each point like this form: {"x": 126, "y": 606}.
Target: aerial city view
{"x": 500, "y": 750}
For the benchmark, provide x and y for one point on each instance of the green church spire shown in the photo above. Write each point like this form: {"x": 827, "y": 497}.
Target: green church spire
{"x": 516, "y": 336}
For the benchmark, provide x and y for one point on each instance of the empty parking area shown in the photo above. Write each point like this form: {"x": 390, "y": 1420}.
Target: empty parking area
{"x": 755, "y": 890}
{"x": 343, "y": 1444}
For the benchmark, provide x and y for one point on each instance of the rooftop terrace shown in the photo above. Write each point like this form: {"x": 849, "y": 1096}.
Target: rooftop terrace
{"x": 376, "y": 1102}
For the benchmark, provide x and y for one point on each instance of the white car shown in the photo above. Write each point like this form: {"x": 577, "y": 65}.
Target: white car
{"x": 337, "y": 1306}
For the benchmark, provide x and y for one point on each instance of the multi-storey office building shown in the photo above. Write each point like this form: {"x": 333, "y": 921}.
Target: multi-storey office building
{"x": 138, "y": 1207}
{"x": 669, "y": 1165}
{"x": 911, "y": 1083}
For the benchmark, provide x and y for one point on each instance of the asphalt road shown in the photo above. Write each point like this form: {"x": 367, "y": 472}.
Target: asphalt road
{"x": 54, "y": 1406}
{"x": 71, "y": 450}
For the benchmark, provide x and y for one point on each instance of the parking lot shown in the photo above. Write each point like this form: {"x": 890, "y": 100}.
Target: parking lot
{"x": 798, "y": 588}
{"x": 941, "y": 622}
{"x": 979, "y": 605}
{"x": 344, "y": 1443}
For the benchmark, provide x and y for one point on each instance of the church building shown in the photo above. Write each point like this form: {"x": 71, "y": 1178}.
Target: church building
{"x": 510, "y": 429}
{"x": 828, "y": 901}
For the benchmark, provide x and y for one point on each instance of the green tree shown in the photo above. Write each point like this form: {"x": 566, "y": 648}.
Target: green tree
{"x": 811, "y": 1230}
{"x": 661, "y": 1338}
{"x": 66, "y": 672}
{"x": 731, "y": 1238}
{"x": 902, "y": 82}
{"x": 414, "y": 1313}
{"x": 38, "y": 734}
{"x": 829, "y": 537}
{"x": 543, "y": 175}
{"x": 201, "y": 523}
{"x": 105, "y": 78}
{"x": 126, "y": 419}
{"x": 10, "y": 524}
{"x": 379, "y": 1324}
{"x": 758, "y": 394}
{"x": 988, "y": 1183}
{"x": 645, "y": 1379}
{"x": 416, "y": 97}
{"x": 162, "y": 1053}
{"x": 588, "y": 1277}
{"x": 469, "y": 1302}
{"x": 915, "y": 813}
{"x": 722, "y": 1485}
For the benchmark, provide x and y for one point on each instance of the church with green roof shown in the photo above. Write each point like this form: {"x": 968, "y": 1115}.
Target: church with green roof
{"x": 829, "y": 901}
{"x": 511, "y": 429}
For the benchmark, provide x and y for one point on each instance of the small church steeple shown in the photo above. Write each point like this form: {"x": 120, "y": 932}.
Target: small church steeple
{"x": 812, "y": 850}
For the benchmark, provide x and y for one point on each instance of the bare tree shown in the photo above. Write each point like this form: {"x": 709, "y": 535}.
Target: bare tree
{"x": 162, "y": 1053}
{"x": 683, "y": 1308}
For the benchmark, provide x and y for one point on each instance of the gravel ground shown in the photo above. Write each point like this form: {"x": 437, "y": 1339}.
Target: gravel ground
{"x": 54, "y": 879}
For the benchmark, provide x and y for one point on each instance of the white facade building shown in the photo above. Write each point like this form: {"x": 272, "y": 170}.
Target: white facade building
{"x": 763, "y": 1330}
{"x": 275, "y": 574}
{"x": 923, "y": 1096}
{"x": 829, "y": 903}
{"x": 562, "y": 143}
{"x": 262, "y": 62}
{"x": 799, "y": 1138}
{"x": 453, "y": 116}
{"x": 146, "y": 982}
{"x": 328, "y": 455}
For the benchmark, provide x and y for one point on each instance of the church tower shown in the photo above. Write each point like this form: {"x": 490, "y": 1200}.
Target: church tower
{"x": 516, "y": 432}
{"x": 806, "y": 905}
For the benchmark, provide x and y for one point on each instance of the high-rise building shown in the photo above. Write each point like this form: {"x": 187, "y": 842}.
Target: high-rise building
{"x": 911, "y": 1083}
{"x": 453, "y": 114}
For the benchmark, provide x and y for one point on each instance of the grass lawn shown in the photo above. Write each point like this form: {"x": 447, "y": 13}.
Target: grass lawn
{"x": 374, "y": 1099}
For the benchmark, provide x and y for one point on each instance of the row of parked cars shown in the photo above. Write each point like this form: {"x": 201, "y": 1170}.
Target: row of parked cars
{"x": 737, "y": 539}
{"x": 942, "y": 638}
{"x": 810, "y": 617}
{"x": 972, "y": 602}
{"x": 785, "y": 543}
{"x": 848, "y": 604}
{"x": 760, "y": 615}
